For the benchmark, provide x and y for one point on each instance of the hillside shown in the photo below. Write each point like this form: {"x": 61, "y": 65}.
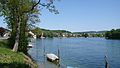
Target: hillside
{"x": 91, "y": 32}
{"x": 64, "y": 33}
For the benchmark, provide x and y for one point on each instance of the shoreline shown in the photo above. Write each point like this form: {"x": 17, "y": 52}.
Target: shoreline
{"x": 30, "y": 61}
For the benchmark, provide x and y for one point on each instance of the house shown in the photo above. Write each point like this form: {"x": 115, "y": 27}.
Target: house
{"x": 4, "y": 32}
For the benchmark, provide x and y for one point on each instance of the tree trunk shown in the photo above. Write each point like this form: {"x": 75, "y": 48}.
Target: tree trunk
{"x": 15, "y": 48}
{"x": 18, "y": 24}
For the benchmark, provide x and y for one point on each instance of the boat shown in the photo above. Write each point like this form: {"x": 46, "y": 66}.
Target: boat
{"x": 30, "y": 45}
{"x": 42, "y": 37}
{"x": 52, "y": 57}
{"x": 33, "y": 35}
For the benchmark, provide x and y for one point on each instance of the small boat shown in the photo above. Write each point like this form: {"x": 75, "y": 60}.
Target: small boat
{"x": 42, "y": 37}
{"x": 33, "y": 35}
{"x": 52, "y": 57}
{"x": 30, "y": 45}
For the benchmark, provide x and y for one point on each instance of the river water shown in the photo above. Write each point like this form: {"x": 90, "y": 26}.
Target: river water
{"x": 77, "y": 52}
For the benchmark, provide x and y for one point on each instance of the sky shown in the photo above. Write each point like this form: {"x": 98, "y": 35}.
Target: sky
{"x": 81, "y": 15}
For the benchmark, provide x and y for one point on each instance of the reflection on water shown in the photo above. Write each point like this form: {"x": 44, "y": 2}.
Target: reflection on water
{"x": 77, "y": 52}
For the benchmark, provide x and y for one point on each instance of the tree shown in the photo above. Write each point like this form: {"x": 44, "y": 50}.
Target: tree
{"x": 17, "y": 13}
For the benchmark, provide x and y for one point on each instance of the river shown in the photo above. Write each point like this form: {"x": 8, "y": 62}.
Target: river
{"x": 77, "y": 52}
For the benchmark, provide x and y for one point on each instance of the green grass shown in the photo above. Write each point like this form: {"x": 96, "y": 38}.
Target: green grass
{"x": 8, "y": 56}
{"x": 3, "y": 44}
{"x": 10, "y": 59}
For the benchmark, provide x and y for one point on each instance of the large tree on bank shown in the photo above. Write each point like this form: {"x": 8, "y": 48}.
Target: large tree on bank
{"x": 17, "y": 13}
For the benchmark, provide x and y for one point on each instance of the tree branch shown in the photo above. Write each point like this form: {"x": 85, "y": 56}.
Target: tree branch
{"x": 32, "y": 7}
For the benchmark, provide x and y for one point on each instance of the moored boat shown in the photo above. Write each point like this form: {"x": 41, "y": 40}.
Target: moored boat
{"x": 30, "y": 45}
{"x": 52, "y": 57}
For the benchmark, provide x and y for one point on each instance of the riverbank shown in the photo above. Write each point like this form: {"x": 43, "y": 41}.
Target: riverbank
{"x": 10, "y": 59}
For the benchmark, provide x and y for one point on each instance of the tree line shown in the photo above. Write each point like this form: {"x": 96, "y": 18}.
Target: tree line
{"x": 48, "y": 33}
{"x": 113, "y": 34}
{"x": 64, "y": 33}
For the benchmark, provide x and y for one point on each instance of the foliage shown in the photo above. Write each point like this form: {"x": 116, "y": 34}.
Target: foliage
{"x": 59, "y": 33}
{"x": 19, "y": 16}
{"x": 113, "y": 34}
{"x": 11, "y": 40}
{"x": 48, "y": 33}
{"x": 13, "y": 12}
{"x": 90, "y": 34}
{"x": 85, "y": 35}
{"x": 2, "y": 31}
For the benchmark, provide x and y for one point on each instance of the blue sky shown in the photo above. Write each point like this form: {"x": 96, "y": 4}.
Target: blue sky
{"x": 82, "y": 15}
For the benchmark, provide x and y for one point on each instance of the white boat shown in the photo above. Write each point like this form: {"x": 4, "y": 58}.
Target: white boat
{"x": 42, "y": 37}
{"x": 34, "y": 36}
{"x": 30, "y": 45}
{"x": 52, "y": 57}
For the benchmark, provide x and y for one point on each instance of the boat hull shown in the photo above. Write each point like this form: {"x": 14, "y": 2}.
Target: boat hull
{"x": 52, "y": 58}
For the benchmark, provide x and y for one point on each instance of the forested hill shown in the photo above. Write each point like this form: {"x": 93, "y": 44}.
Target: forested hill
{"x": 49, "y": 33}
{"x": 90, "y": 32}
{"x": 113, "y": 34}
{"x": 41, "y": 29}
{"x": 64, "y": 33}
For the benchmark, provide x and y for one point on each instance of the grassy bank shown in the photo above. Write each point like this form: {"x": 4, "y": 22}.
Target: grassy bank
{"x": 10, "y": 59}
{"x": 3, "y": 43}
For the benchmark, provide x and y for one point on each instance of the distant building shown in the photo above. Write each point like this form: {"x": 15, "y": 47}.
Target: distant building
{"x": 4, "y": 32}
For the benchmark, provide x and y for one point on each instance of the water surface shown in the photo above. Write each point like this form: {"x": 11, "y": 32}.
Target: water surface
{"x": 77, "y": 52}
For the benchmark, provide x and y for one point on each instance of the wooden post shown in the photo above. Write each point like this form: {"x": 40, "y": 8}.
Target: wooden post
{"x": 106, "y": 62}
{"x": 58, "y": 53}
{"x": 59, "y": 56}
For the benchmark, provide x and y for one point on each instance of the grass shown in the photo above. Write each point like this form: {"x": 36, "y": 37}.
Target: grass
{"x": 10, "y": 59}
{"x": 9, "y": 56}
{"x": 3, "y": 43}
